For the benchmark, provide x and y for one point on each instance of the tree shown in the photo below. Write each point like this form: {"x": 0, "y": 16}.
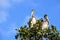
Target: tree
{"x": 36, "y": 32}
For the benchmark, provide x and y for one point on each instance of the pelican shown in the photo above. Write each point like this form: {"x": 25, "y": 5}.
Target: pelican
{"x": 45, "y": 23}
{"x": 33, "y": 21}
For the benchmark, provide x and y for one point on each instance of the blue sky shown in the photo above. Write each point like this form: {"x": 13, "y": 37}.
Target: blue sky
{"x": 14, "y": 13}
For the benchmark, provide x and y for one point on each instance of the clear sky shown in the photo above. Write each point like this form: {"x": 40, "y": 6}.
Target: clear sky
{"x": 14, "y": 13}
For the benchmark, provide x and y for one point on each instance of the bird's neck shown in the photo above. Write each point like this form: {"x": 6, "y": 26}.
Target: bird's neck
{"x": 46, "y": 19}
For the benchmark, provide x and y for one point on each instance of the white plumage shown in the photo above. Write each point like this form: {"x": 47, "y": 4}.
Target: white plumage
{"x": 33, "y": 21}
{"x": 44, "y": 25}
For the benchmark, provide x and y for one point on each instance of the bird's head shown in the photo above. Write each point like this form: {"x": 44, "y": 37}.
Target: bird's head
{"x": 32, "y": 12}
{"x": 45, "y": 16}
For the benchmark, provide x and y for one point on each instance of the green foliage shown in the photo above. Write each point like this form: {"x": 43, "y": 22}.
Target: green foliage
{"x": 36, "y": 33}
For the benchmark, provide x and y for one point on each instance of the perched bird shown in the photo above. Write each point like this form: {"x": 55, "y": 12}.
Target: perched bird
{"x": 33, "y": 20}
{"x": 45, "y": 23}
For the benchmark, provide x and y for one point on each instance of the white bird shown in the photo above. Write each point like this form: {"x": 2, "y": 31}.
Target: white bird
{"x": 45, "y": 23}
{"x": 33, "y": 21}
